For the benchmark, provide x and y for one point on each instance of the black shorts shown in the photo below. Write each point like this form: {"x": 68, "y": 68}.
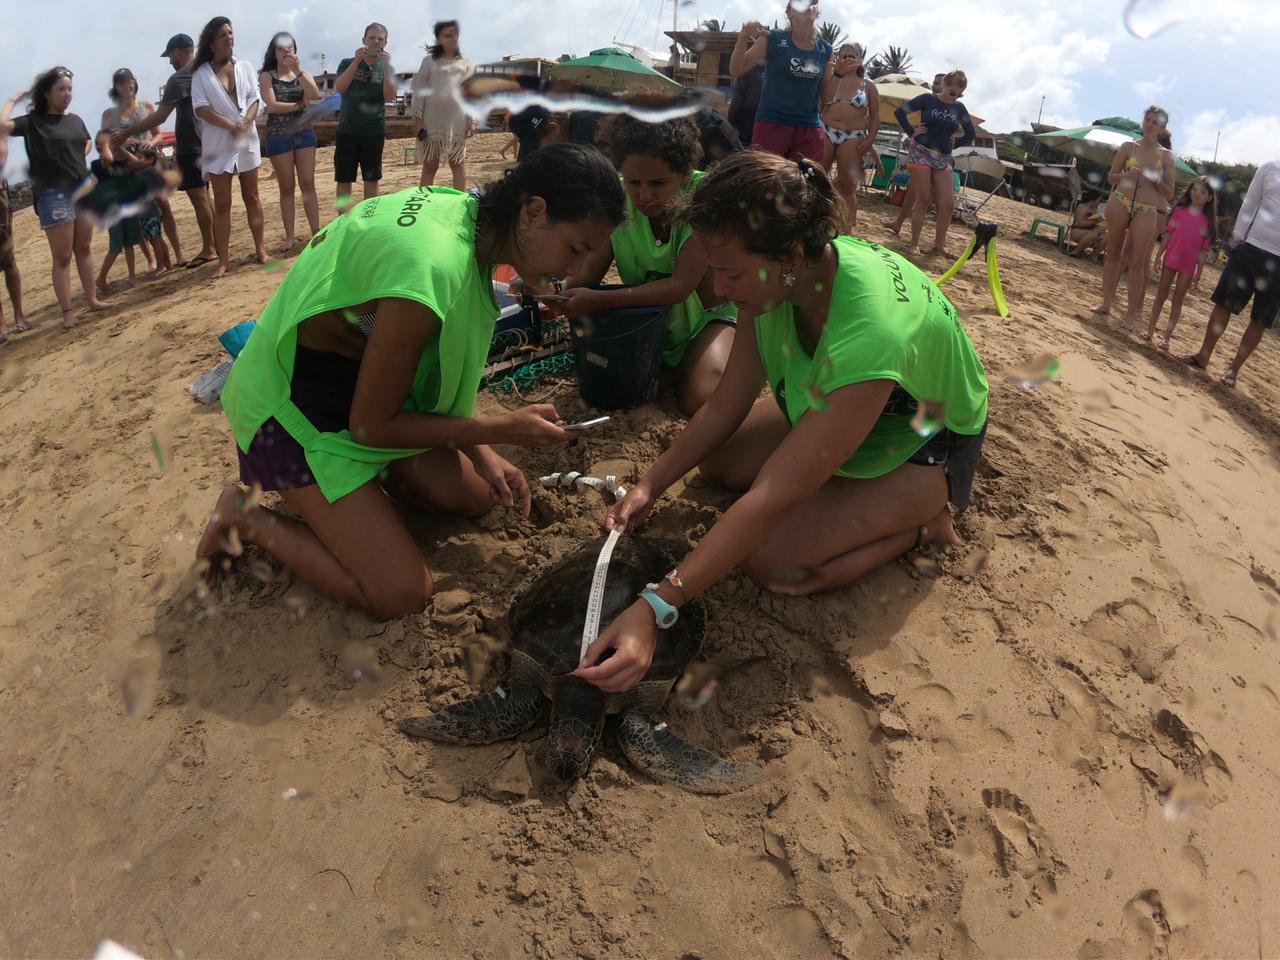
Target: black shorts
{"x": 352, "y": 150}
{"x": 6, "y": 228}
{"x": 957, "y": 454}
{"x": 1250, "y": 272}
{"x": 189, "y": 167}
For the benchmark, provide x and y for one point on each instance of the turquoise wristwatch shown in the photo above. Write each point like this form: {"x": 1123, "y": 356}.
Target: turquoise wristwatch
{"x": 664, "y": 613}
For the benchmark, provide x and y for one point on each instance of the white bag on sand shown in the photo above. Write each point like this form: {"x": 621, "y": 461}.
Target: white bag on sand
{"x": 208, "y": 387}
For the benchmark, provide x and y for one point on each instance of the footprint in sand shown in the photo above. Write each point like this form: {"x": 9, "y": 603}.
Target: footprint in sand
{"x": 1126, "y": 633}
{"x": 1147, "y": 925}
{"x": 1023, "y": 851}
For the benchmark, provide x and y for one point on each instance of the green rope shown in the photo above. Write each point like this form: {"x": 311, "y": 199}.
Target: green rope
{"x": 531, "y": 374}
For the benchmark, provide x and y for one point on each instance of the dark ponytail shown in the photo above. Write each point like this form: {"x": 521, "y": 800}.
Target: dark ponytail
{"x": 771, "y": 204}
{"x": 575, "y": 180}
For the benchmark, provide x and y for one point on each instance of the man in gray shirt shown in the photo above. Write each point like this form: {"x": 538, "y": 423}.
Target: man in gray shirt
{"x": 177, "y": 96}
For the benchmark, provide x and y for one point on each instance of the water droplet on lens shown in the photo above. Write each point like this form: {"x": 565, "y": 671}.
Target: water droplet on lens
{"x": 930, "y": 417}
{"x": 1036, "y": 372}
{"x": 1145, "y": 19}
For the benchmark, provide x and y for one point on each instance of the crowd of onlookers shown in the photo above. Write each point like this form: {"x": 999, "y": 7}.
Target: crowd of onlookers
{"x": 793, "y": 95}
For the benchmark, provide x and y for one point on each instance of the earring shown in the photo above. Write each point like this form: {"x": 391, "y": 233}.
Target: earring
{"x": 788, "y": 279}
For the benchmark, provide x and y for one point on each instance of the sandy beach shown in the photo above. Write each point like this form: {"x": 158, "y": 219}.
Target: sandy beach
{"x": 1054, "y": 741}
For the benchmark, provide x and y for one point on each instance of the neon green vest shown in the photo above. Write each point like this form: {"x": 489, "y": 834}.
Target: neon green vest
{"x": 419, "y": 245}
{"x": 887, "y": 321}
{"x": 640, "y": 258}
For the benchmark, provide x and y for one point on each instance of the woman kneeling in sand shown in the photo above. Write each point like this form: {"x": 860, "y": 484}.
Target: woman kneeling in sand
{"x": 877, "y": 417}
{"x": 359, "y": 382}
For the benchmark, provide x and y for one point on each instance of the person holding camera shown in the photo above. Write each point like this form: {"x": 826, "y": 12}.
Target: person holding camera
{"x": 366, "y": 81}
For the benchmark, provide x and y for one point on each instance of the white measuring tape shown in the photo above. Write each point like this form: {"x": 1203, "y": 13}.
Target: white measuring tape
{"x": 595, "y": 599}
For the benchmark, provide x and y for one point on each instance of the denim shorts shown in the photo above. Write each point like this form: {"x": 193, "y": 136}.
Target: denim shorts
{"x": 287, "y": 142}
{"x": 55, "y": 207}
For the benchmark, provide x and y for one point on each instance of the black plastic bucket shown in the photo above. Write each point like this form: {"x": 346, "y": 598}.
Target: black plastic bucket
{"x": 618, "y": 355}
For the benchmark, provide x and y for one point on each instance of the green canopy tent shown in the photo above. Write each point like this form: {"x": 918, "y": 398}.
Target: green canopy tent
{"x": 1099, "y": 142}
{"x": 610, "y": 70}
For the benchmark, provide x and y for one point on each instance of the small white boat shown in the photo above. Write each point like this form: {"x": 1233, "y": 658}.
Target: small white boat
{"x": 979, "y": 165}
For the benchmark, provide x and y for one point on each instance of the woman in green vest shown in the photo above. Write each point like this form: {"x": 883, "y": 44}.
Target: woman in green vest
{"x": 358, "y": 386}
{"x": 654, "y": 256}
{"x": 878, "y": 411}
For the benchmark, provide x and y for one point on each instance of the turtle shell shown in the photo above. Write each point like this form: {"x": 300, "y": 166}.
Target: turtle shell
{"x": 546, "y": 619}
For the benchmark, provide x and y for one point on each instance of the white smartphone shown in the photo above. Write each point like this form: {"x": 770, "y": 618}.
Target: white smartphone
{"x": 586, "y": 424}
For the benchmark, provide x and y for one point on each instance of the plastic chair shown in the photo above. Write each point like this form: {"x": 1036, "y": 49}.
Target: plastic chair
{"x": 1061, "y": 228}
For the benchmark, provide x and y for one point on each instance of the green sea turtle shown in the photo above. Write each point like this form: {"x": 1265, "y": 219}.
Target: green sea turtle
{"x": 546, "y": 633}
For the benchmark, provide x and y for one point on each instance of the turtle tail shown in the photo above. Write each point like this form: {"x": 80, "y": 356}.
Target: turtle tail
{"x": 485, "y": 719}
{"x": 664, "y": 756}
{"x": 577, "y": 720}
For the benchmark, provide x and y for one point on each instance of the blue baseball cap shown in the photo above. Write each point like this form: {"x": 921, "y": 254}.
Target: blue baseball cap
{"x": 179, "y": 41}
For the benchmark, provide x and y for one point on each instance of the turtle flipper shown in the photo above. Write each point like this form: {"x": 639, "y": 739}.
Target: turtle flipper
{"x": 664, "y": 756}
{"x": 485, "y": 719}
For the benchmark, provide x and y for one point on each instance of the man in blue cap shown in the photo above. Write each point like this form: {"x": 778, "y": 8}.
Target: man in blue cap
{"x": 181, "y": 51}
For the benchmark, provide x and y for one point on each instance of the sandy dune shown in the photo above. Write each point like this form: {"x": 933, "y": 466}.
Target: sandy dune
{"x": 1056, "y": 741}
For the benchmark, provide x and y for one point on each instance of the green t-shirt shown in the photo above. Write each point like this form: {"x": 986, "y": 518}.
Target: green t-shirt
{"x": 418, "y": 244}
{"x": 641, "y": 258}
{"x": 364, "y": 108}
{"x": 887, "y": 321}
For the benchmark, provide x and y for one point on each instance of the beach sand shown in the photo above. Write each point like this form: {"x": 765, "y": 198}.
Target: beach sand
{"x": 1058, "y": 740}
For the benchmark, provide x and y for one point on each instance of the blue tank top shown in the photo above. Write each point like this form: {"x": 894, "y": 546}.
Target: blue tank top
{"x": 792, "y": 81}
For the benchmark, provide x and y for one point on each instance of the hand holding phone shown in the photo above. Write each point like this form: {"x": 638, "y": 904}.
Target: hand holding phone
{"x": 585, "y": 424}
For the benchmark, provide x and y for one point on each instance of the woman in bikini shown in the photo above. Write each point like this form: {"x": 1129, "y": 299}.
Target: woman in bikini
{"x": 1143, "y": 175}
{"x": 851, "y": 120}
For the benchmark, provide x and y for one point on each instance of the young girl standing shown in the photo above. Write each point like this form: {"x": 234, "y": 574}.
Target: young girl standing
{"x": 1188, "y": 237}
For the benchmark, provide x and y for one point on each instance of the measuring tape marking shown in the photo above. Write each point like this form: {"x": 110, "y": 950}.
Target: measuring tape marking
{"x": 595, "y": 598}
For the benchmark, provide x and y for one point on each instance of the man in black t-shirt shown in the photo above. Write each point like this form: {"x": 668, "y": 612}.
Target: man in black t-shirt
{"x": 177, "y": 96}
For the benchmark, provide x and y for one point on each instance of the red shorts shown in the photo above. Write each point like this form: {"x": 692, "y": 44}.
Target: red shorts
{"x": 790, "y": 142}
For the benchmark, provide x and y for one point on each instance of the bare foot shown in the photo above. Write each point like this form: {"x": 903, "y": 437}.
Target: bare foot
{"x": 70, "y": 320}
{"x": 97, "y": 306}
{"x": 103, "y": 287}
{"x": 1102, "y": 311}
{"x": 159, "y": 272}
{"x": 939, "y": 530}
{"x": 220, "y": 272}
{"x": 261, "y": 256}
{"x": 1229, "y": 378}
{"x": 913, "y": 250}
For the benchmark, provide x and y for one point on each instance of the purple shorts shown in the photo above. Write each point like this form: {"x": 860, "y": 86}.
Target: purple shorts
{"x": 324, "y": 386}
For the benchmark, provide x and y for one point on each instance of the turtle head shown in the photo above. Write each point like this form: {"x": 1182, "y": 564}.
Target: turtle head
{"x": 577, "y": 720}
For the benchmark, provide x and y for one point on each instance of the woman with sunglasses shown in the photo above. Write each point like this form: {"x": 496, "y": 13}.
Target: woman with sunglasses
{"x": 57, "y": 144}
{"x": 851, "y": 120}
{"x": 944, "y": 125}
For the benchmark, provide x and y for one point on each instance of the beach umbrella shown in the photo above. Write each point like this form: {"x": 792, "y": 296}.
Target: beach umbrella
{"x": 611, "y": 70}
{"x": 1099, "y": 142}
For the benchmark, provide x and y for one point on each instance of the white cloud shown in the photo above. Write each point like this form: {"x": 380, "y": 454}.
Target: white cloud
{"x": 1248, "y": 139}
{"x": 1151, "y": 89}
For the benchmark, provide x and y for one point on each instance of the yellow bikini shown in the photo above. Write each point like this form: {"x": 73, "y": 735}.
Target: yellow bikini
{"x": 1135, "y": 205}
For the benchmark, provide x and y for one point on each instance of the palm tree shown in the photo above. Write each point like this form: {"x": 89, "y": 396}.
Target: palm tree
{"x": 831, "y": 33}
{"x": 890, "y": 60}
{"x": 713, "y": 25}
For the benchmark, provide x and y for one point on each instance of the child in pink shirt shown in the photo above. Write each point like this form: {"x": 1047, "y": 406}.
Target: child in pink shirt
{"x": 1186, "y": 244}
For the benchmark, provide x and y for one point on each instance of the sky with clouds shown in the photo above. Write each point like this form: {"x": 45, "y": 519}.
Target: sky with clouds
{"x": 1206, "y": 62}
